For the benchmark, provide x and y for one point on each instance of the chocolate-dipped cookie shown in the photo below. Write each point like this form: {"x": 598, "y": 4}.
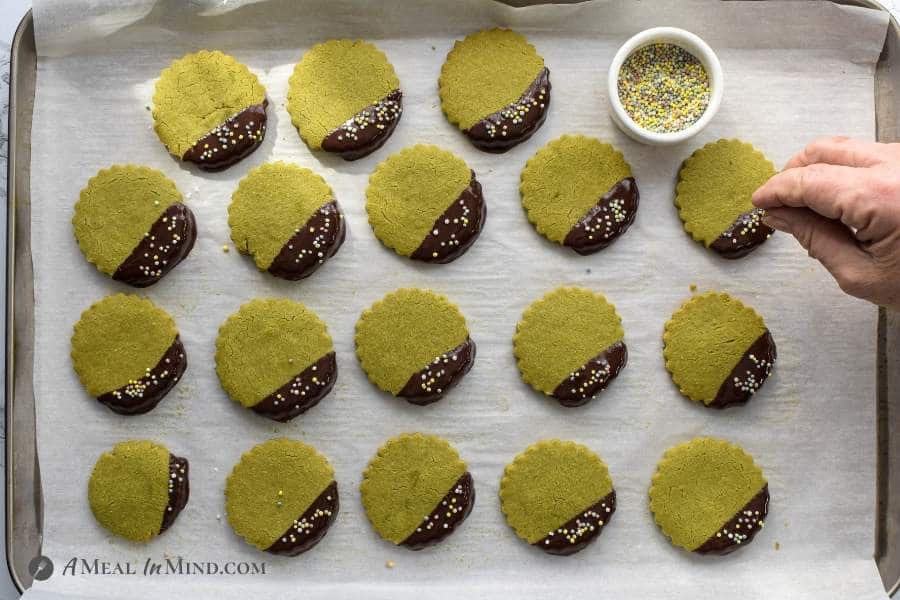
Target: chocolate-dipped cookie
{"x": 414, "y": 344}
{"x": 495, "y": 88}
{"x": 127, "y": 353}
{"x": 138, "y": 489}
{"x": 131, "y": 223}
{"x": 569, "y": 345}
{"x": 579, "y": 192}
{"x": 718, "y": 351}
{"x": 275, "y": 357}
{"x": 708, "y": 496}
{"x": 416, "y": 490}
{"x": 557, "y": 496}
{"x": 713, "y": 197}
{"x": 287, "y": 219}
{"x": 344, "y": 98}
{"x": 209, "y": 109}
{"x": 282, "y": 497}
{"x": 425, "y": 203}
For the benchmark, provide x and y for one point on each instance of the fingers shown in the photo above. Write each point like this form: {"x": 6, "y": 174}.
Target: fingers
{"x": 835, "y": 192}
{"x": 836, "y": 151}
{"x": 831, "y": 243}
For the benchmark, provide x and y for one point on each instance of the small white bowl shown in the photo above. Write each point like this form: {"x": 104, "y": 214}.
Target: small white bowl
{"x": 692, "y": 44}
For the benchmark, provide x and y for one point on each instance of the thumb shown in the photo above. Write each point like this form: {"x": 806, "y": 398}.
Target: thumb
{"x": 830, "y": 242}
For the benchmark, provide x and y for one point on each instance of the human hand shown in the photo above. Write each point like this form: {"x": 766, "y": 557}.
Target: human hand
{"x": 840, "y": 198}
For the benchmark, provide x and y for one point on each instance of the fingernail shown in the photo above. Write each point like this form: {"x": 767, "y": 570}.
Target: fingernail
{"x": 776, "y": 223}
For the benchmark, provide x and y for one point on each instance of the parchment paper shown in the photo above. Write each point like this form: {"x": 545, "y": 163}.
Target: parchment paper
{"x": 794, "y": 70}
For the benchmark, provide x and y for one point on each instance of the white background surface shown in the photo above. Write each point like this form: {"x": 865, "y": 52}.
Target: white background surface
{"x": 10, "y": 14}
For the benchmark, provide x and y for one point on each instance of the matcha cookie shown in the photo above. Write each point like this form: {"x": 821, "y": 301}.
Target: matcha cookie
{"x": 495, "y": 88}
{"x": 275, "y": 357}
{"x": 713, "y": 197}
{"x": 557, "y": 496}
{"x": 127, "y": 353}
{"x": 344, "y": 98}
{"x": 425, "y": 203}
{"x": 209, "y": 109}
{"x": 131, "y": 224}
{"x": 708, "y": 496}
{"x": 414, "y": 344}
{"x": 138, "y": 489}
{"x": 718, "y": 350}
{"x": 416, "y": 490}
{"x": 569, "y": 345}
{"x": 286, "y": 218}
{"x": 282, "y": 497}
{"x": 579, "y": 192}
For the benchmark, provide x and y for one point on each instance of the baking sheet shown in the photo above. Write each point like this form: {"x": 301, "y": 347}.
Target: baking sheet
{"x": 806, "y": 71}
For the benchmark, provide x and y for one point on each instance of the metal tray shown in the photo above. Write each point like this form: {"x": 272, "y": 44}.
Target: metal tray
{"x": 24, "y": 499}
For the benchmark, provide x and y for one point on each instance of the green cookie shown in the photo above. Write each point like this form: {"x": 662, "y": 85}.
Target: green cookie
{"x": 495, "y": 88}
{"x": 416, "y": 490}
{"x": 414, "y": 344}
{"x": 138, "y": 489}
{"x": 281, "y": 497}
{"x": 569, "y": 345}
{"x": 708, "y": 496}
{"x": 209, "y": 109}
{"x": 557, "y": 495}
{"x": 424, "y": 202}
{"x": 286, "y": 218}
{"x": 718, "y": 351}
{"x": 578, "y": 192}
{"x": 127, "y": 353}
{"x": 344, "y": 97}
{"x": 275, "y": 356}
{"x": 713, "y": 195}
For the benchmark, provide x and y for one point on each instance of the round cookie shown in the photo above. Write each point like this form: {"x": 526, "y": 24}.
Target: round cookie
{"x": 275, "y": 357}
{"x": 569, "y": 345}
{"x": 414, "y": 344}
{"x": 718, "y": 351}
{"x": 416, "y": 490}
{"x": 425, "y": 203}
{"x": 579, "y": 192}
{"x": 130, "y": 223}
{"x": 344, "y": 98}
{"x": 557, "y": 496}
{"x": 713, "y": 197}
{"x": 282, "y": 497}
{"x": 495, "y": 88}
{"x": 138, "y": 489}
{"x": 209, "y": 109}
{"x": 708, "y": 496}
{"x": 127, "y": 353}
{"x": 286, "y": 218}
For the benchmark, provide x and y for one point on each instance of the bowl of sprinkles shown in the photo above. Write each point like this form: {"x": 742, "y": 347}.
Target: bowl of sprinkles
{"x": 665, "y": 85}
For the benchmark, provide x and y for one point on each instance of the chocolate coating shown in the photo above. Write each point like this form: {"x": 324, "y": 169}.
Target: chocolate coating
{"x": 366, "y": 131}
{"x": 142, "y": 395}
{"x": 741, "y": 528}
{"x": 592, "y": 378}
{"x": 605, "y": 221}
{"x": 170, "y": 239}
{"x": 456, "y": 229}
{"x": 749, "y": 374}
{"x": 446, "y": 516}
{"x": 231, "y": 141}
{"x": 311, "y": 526}
{"x": 744, "y": 236}
{"x": 575, "y": 534}
{"x": 311, "y": 245}
{"x": 179, "y": 490}
{"x": 431, "y": 383}
{"x": 300, "y": 393}
{"x": 515, "y": 123}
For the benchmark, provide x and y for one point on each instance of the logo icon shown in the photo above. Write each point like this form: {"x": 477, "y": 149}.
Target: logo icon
{"x": 40, "y": 567}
